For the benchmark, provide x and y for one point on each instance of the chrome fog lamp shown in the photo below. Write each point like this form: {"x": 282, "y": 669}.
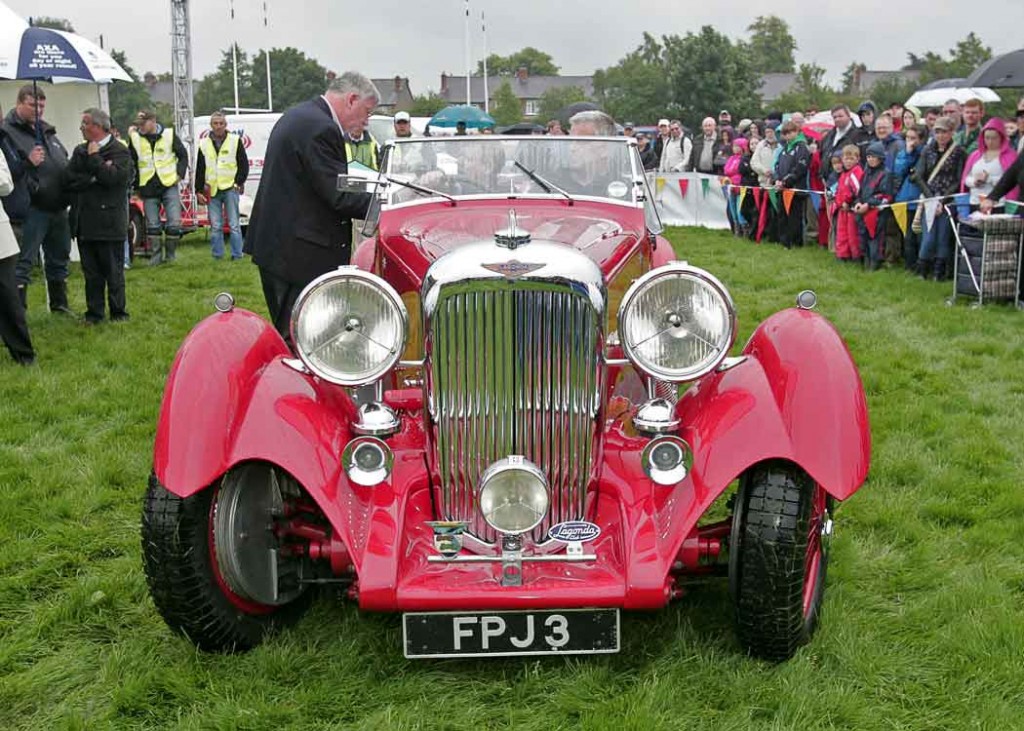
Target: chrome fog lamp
{"x": 677, "y": 323}
{"x": 513, "y": 495}
{"x": 667, "y": 460}
{"x": 349, "y": 327}
{"x": 367, "y": 461}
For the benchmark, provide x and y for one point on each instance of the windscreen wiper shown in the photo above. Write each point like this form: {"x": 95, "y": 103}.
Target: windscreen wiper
{"x": 421, "y": 189}
{"x": 544, "y": 183}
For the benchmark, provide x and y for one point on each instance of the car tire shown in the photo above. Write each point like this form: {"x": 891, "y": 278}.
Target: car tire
{"x": 136, "y": 232}
{"x": 778, "y": 559}
{"x": 188, "y": 588}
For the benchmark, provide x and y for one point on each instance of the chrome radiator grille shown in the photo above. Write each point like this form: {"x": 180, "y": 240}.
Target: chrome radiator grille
{"x": 514, "y": 369}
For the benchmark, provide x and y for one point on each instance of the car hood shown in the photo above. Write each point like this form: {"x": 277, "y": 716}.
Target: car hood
{"x": 604, "y": 233}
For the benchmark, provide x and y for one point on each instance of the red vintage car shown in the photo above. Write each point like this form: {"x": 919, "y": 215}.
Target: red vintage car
{"x": 481, "y": 425}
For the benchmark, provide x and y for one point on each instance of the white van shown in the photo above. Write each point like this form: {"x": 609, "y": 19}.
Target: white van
{"x": 255, "y": 131}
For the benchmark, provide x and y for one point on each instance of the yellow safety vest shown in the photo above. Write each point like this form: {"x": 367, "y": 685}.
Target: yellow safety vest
{"x": 361, "y": 152}
{"x": 156, "y": 159}
{"x": 221, "y": 165}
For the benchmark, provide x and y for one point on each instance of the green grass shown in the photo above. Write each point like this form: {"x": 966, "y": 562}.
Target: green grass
{"x": 923, "y": 626}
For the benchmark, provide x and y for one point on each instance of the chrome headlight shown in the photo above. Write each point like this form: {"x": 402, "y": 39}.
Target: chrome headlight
{"x": 349, "y": 327}
{"x": 513, "y": 495}
{"x": 676, "y": 323}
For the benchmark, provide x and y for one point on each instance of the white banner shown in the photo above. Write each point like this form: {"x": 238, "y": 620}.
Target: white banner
{"x": 702, "y": 205}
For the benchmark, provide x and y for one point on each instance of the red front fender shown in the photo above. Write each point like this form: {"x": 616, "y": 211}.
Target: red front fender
{"x": 798, "y": 396}
{"x": 229, "y": 398}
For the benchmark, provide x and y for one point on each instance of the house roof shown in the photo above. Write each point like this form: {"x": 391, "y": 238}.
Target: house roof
{"x": 390, "y": 96}
{"x": 453, "y": 88}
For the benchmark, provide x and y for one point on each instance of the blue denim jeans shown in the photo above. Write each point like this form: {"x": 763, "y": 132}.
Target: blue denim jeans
{"x": 225, "y": 203}
{"x": 51, "y": 232}
{"x": 171, "y": 201}
{"x": 937, "y": 241}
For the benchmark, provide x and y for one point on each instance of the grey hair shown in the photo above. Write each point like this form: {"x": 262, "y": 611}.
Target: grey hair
{"x": 98, "y": 116}
{"x": 604, "y": 126}
{"x": 219, "y": 113}
{"x": 352, "y": 82}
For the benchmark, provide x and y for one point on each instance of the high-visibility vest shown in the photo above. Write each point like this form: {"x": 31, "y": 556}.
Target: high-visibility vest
{"x": 364, "y": 152}
{"x": 221, "y": 165}
{"x": 158, "y": 159}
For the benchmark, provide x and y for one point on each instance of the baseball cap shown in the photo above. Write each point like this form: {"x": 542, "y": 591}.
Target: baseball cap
{"x": 628, "y": 125}
{"x": 402, "y": 117}
{"x": 663, "y": 122}
{"x": 943, "y": 123}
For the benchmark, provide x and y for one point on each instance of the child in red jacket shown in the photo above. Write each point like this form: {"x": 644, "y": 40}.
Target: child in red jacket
{"x": 847, "y": 235}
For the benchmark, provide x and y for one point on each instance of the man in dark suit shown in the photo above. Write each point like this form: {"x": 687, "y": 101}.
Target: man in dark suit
{"x": 301, "y": 225}
{"x": 98, "y": 176}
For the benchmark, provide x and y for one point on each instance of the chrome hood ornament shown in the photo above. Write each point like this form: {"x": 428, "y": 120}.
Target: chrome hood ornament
{"x": 513, "y": 236}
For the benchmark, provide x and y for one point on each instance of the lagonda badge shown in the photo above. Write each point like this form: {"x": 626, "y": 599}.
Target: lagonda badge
{"x": 512, "y": 269}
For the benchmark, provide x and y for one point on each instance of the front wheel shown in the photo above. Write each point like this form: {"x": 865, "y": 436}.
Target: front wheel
{"x": 778, "y": 559}
{"x": 212, "y": 563}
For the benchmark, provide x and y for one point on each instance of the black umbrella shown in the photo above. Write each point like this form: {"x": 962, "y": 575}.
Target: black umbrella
{"x": 522, "y": 128}
{"x": 1000, "y": 72}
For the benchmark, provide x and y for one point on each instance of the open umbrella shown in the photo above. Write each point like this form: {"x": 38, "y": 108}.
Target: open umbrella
{"x": 936, "y": 96}
{"x": 472, "y": 116}
{"x": 44, "y": 54}
{"x": 1002, "y": 71}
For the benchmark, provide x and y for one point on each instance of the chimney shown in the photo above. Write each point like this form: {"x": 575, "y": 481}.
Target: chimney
{"x": 521, "y": 73}
{"x": 398, "y": 83}
{"x": 444, "y": 83}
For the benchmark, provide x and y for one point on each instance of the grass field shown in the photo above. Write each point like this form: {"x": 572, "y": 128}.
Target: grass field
{"x": 923, "y": 625}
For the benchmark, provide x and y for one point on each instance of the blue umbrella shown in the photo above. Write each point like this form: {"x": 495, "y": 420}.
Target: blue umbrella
{"x": 471, "y": 116}
{"x": 45, "y": 54}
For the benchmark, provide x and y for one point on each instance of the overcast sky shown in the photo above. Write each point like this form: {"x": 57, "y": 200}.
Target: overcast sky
{"x": 421, "y": 39}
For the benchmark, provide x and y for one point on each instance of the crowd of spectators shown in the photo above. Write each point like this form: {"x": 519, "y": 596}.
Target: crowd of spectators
{"x": 837, "y": 185}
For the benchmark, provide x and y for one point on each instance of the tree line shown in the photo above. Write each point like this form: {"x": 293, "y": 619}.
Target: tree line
{"x": 686, "y": 76}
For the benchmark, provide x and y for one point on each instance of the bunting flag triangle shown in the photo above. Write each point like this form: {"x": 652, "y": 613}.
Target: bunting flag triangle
{"x": 773, "y": 196}
{"x": 758, "y": 195}
{"x": 743, "y": 195}
{"x": 871, "y": 221}
{"x": 684, "y": 185}
{"x": 659, "y": 185}
{"x": 787, "y": 199}
{"x": 705, "y": 186}
{"x": 899, "y": 212}
{"x": 1012, "y": 207}
{"x": 963, "y": 204}
{"x": 930, "y": 209}
{"x": 816, "y": 201}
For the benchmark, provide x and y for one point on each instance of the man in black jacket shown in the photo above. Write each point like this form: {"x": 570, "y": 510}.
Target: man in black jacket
{"x": 98, "y": 175}
{"x": 844, "y": 133}
{"x": 301, "y": 224}
{"x": 38, "y": 167}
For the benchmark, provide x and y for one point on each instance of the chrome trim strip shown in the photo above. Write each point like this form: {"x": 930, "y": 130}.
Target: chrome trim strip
{"x": 546, "y": 558}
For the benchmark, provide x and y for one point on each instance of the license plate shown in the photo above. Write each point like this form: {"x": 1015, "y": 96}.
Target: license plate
{"x": 498, "y": 634}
